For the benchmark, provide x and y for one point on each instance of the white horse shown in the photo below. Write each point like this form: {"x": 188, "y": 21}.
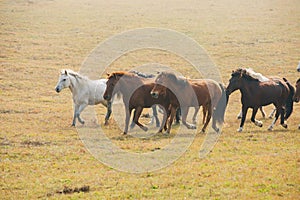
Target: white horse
{"x": 85, "y": 92}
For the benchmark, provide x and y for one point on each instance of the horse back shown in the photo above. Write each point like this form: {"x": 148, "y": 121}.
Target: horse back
{"x": 207, "y": 91}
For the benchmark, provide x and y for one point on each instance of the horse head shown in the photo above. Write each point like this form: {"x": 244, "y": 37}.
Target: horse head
{"x": 235, "y": 80}
{"x": 296, "y": 97}
{"x": 111, "y": 83}
{"x": 63, "y": 81}
{"x": 157, "y": 90}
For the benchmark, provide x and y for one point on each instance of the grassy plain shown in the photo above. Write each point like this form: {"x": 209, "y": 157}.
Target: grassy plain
{"x": 41, "y": 154}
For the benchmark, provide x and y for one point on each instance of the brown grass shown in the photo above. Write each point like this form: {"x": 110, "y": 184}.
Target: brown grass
{"x": 41, "y": 154}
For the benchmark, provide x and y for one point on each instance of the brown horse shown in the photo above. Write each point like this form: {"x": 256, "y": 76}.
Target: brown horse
{"x": 256, "y": 94}
{"x": 136, "y": 95}
{"x": 192, "y": 93}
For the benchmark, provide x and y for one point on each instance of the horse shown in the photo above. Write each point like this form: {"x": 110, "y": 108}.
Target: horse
{"x": 154, "y": 111}
{"x": 84, "y": 92}
{"x": 206, "y": 92}
{"x": 255, "y": 94}
{"x": 296, "y": 96}
{"x": 261, "y": 78}
{"x": 136, "y": 95}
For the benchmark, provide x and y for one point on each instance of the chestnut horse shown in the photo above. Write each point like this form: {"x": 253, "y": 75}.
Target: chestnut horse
{"x": 192, "y": 93}
{"x": 136, "y": 95}
{"x": 255, "y": 94}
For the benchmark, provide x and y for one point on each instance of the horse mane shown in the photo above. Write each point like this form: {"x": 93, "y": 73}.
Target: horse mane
{"x": 75, "y": 74}
{"x": 245, "y": 73}
{"x": 256, "y": 75}
{"x": 142, "y": 74}
{"x": 180, "y": 80}
{"x": 121, "y": 74}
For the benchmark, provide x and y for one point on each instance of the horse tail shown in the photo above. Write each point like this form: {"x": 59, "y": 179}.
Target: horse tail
{"x": 289, "y": 103}
{"x": 219, "y": 113}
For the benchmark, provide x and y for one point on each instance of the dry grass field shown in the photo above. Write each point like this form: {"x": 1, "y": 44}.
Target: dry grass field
{"x": 42, "y": 156}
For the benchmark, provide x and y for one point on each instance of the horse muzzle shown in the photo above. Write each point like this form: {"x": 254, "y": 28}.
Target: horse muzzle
{"x": 57, "y": 89}
{"x": 106, "y": 97}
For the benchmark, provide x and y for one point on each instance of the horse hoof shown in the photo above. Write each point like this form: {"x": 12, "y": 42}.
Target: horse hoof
{"x": 239, "y": 117}
{"x": 203, "y": 131}
{"x": 124, "y": 133}
{"x": 270, "y": 128}
{"x": 192, "y": 127}
{"x": 258, "y": 123}
{"x": 284, "y": 125}
{"x": 240, "y": 129}
{"x": 217, "y": 130}
{"x": 145, "y": 128}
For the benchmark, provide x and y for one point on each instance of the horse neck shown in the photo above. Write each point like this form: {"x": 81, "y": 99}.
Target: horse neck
{"x": 248, "y": 87}
{"x": 76, "y": 85}
{"x": 127, "y": 85}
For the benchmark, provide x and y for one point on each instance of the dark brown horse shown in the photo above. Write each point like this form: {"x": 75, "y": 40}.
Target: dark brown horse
{"x": 136, "y": 95}
{"x": 256, "y": 94}
{"x": 192, "y": 93}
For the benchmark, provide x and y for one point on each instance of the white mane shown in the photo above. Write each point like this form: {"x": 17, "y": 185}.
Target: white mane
{"x": 256, "y": 75}
{"x": 75, "y": 74}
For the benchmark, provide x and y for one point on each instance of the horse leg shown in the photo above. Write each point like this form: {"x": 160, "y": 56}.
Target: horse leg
{"x": 163, "y": 125}
{"x": 209, "y": 114}
{"x": 214, "y": 125}
{"x": 80, "y": 109}
{"x": 172, "y": 115}
{"x": 127, "y": 113}
{"x": 195, "y": 115}
{"x": 108, "y": 112}
{"x": 167, "y": 116}
{"x": 155, "y": 115}
{"x": 239, "y": 116}
{"x": 137, "y": 113}
{"x": 184, "y": 111}
{"x": 132, "y": 125}
{"x": 76, "y": 107}
{"x": 278, "y": 111}
{"x": 244, "y": 111}
{"x": 262, "y": 112}
{"x": 272, "y": 113}
{"x": 178, "y": 114}
{"x": 256, "y": 122}
{"x": 204, "y": 111}
{"x": 282, "y": 119}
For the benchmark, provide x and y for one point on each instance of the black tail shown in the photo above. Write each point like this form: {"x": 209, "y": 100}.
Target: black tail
{"x": 221, "y": 107}
{"x": 289, "y": 104}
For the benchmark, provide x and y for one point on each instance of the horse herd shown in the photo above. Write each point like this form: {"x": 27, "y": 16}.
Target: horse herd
{"x": 175, "y": 95}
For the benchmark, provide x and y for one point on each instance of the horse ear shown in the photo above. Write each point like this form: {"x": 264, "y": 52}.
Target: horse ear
{"x": 66, "y": 73}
